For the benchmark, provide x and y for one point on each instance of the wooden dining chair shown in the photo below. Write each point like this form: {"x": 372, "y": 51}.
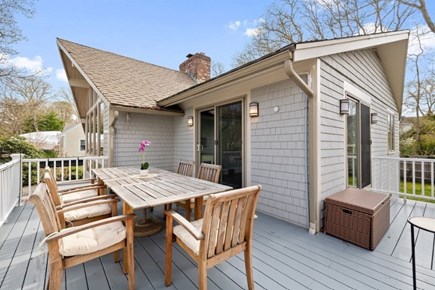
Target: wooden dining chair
{"x": 225, "y": 231}
{"x": 209, "y": 172}
{"x": 73, "y": 190}
{"x": 185, "y": 167}
{"x": 83, "y": 210}
{"x": 70, "y": 247}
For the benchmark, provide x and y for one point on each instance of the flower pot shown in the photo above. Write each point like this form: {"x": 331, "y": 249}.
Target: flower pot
{"x": 143, "y": 171}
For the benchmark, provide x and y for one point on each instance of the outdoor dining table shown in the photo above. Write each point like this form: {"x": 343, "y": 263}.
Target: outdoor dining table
{"x": 157, "y": 187}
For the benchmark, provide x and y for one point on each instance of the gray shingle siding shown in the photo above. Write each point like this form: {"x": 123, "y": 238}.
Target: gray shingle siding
{"x": 363, "y": 70}
{"x": 183, "y": 138}
{"x": 279, "y": 151}
{"x": 158, "y": 129}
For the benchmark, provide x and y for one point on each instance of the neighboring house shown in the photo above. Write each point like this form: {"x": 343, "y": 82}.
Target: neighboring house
{"x": 300, "y": 148}
{"x": 45, "y": 140}
{"x": 72, "y": 141}
{"x": 407, "y": 123}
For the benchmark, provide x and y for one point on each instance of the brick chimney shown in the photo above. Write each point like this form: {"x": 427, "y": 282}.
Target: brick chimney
{"x": 197, "y": 66}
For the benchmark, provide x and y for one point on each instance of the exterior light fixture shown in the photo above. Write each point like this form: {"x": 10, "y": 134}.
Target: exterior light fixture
{"x": 190, "y": 121}
{"x": 374, "y": 118}
{"x": 344, "y": 106}
{"x": 253, "y": 109}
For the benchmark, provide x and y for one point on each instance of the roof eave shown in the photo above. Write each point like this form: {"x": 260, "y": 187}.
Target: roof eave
{"x": 234, "y": 75}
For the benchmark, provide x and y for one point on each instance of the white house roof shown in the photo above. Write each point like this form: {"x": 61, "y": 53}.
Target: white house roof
{"x": 44, "y": 139}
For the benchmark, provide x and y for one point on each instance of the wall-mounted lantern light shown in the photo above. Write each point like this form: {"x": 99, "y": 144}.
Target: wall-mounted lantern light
{"x": 190, "y": 121}
{"x": 374, "y": 118}
{"x": 344, "y": 106}
{"x": 253, "y": 109}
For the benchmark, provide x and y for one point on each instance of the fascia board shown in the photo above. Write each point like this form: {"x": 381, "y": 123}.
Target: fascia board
{"x": 310, "y": 50}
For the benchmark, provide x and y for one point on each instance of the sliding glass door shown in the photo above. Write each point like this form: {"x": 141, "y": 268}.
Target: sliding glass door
{"x": 220, "y": 141}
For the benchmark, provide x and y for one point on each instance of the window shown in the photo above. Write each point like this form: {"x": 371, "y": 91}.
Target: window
{"x": 390, "y": 123}
{"x": 82, "y": 145}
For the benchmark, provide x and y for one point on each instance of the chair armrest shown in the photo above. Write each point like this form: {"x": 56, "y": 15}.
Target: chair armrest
{"x": 88, "y": 199}
{"x": 69, "y": 207}
{"x": 81, "y": 188}
{"x": 185, "y": 224}
{"x": 86, "y": 180}
{"x": 73, "y": 230}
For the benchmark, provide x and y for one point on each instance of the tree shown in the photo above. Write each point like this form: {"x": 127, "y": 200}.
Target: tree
{"x": 21, "y": 99}
{"x": 421, "y": 6}
{"x": 66, "y": 107}
{"x": 10, "y": 32}
{"x": 12, "y": 145}
{"x": 45, "y": 122}
{"x": 217, "y": 68}
{"x": 291, "y": 21}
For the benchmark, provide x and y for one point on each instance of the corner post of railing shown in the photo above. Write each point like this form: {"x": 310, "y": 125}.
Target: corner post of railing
{"x": 19, "y": 157}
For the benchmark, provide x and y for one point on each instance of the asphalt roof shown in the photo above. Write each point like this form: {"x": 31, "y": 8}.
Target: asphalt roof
{"x": 125, "y": 81}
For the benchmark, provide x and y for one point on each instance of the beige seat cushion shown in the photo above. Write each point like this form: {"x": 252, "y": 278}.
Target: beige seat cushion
{"x": 92, "y": 240}
{"x": 70, "y": 197}
{"x": 88, "y": 212}
{"x": 187, "y": 238}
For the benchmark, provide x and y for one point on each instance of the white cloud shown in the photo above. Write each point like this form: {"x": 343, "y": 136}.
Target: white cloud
{"x": 33, "y": 65}
{"x": 61, "y": 75}
{"x": 427, "y": 39}
{"x": 234, "y": 25}
{"x": 250, "y": 27}
{"x": 251, "y": 32}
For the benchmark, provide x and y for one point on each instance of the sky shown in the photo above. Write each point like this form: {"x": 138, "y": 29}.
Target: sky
{"x": 155, "y": 31}
{"x": 158, "y": 32}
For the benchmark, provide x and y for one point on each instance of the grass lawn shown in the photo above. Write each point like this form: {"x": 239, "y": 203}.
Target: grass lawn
{"x": 418, "y": 191}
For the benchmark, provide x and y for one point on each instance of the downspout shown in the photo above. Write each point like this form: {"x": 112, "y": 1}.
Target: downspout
{"x": 113, "y": 117}
{"x": 312, "y": 157}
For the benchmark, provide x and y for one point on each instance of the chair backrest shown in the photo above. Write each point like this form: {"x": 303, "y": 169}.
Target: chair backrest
{"x": 43, "y": 203}
{"x": 210, "y": 172}
{"x": 185, "y": 167}
{"x": 228, "y": 220}
{"x": 52, "y": 177}
{"x": 52, "y": 187}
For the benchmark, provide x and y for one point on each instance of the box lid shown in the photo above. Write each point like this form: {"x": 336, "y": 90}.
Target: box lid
{"x": 357, "y": 199}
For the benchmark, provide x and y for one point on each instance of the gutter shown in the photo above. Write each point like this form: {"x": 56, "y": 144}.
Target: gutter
{"x": 313, "y": 134}
{"x": 291, "y": 73}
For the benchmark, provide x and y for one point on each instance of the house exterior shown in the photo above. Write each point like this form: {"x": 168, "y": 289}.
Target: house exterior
{"x": 72, "y": 141}
{"x": 300, "y": 147}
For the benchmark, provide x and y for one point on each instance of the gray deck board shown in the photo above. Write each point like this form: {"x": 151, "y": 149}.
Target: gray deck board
{"x": 284, "y": 257}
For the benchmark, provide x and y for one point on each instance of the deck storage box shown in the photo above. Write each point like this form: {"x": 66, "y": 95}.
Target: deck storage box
{"x": 358, "y": 216}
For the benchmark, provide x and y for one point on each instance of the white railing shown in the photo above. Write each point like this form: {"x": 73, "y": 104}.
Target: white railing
{"x": 10, "y": 186}
{"x": 351, "y": 160}
{"x": 65, "y": 168}
{"x": 408, "y": 177}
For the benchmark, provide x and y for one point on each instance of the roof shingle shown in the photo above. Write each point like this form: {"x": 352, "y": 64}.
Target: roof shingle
{"x": 124, "y": 81}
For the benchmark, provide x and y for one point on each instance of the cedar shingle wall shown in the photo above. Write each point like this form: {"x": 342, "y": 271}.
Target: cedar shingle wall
{"x": 279, "y": 151}
{"x": 364, "y": 71}
{"x": 158, "y": 129}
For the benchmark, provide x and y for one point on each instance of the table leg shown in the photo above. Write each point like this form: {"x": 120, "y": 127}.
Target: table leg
{"x": 198, "y": 207}
{"x": 146, "y": 226}
{"x": 414, "y": 278}
{"x": 100, "y": 190}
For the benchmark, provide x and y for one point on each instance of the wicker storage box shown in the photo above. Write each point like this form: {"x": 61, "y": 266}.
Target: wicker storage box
{"x": 358, "y": 216}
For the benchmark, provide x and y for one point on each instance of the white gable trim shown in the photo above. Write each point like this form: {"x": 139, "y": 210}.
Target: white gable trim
{"x": 356, "y": 93}
{"x": 310, "y": 50}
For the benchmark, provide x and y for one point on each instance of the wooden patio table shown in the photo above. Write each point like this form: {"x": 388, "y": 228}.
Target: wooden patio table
{"x": 158, "y": 187}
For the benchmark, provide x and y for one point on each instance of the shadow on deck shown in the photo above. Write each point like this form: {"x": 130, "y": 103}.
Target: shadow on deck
{"x": 284, "y": 257}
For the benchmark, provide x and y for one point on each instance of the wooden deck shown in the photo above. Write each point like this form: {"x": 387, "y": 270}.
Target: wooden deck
{"x": 285, "y": 257}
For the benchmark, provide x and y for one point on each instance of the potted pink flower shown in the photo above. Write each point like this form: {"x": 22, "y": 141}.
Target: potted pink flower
{"x": 144, "y": 144}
